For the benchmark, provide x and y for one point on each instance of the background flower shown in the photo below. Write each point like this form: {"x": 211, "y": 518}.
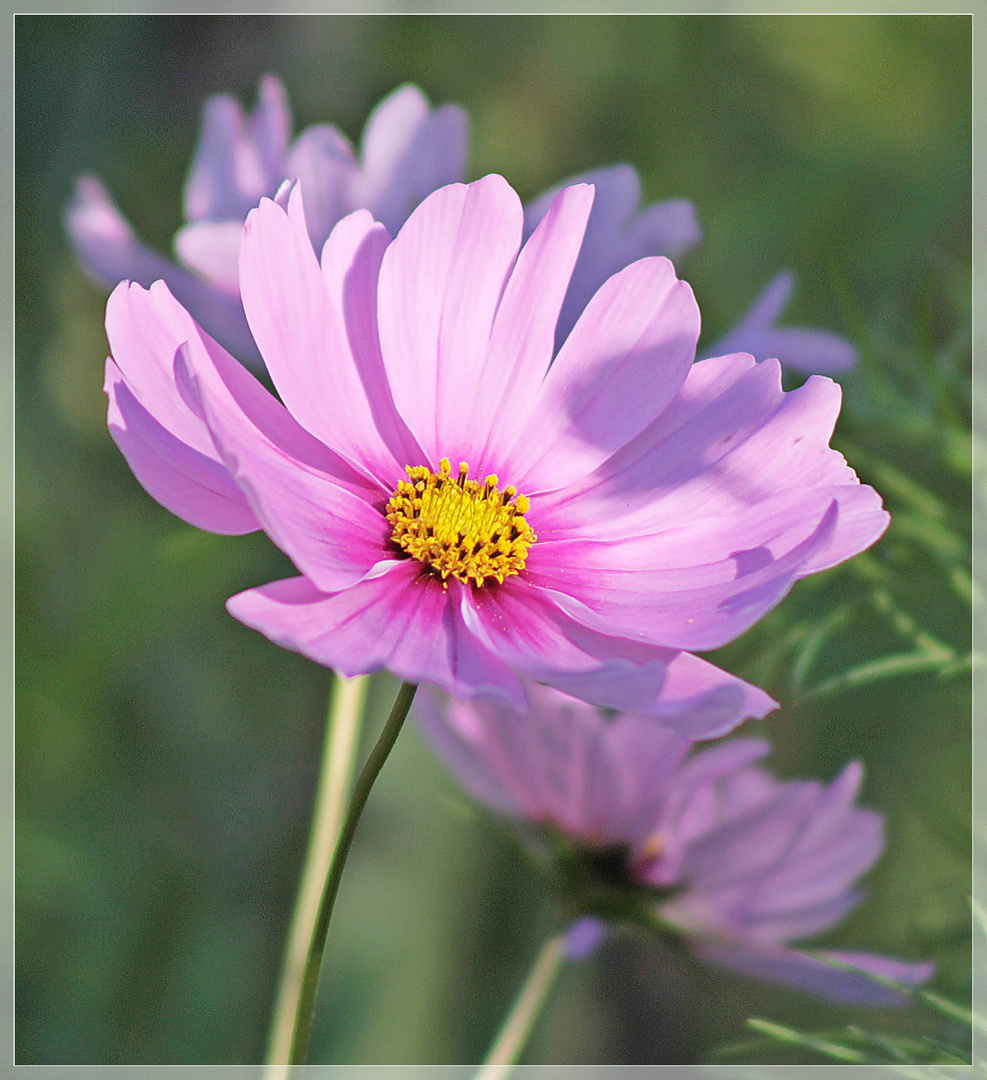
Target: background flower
{"x": 752, "y": 862}
{"x": 407, "y": 150}
{"x": 796, "y": 346}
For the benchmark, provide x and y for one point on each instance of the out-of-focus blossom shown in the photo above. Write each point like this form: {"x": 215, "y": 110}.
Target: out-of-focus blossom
{"x": 741, "y": 864}
{"x": 407, "y": 151}
{"x": 462, "y": 507}
{"x": 617, "y": 234}
{"x": 797, "y": 347}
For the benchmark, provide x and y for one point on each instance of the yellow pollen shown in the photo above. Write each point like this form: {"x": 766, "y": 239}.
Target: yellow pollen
{"x": 461, "y": 527}
{"x": 653, "y": 848}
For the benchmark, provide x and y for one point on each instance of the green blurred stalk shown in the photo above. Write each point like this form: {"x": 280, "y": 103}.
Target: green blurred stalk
{"x": 344, "y": 723}
{"x": 520, "y": 1021}
{"x": 320, "y": 930}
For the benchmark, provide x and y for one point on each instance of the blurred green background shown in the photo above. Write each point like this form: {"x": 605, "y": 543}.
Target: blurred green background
{"x": 166, "y": 755}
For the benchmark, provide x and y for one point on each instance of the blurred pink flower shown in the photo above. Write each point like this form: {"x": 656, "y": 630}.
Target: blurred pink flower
{"x": 461, "y": 507}
{"x": 741, "y": 863}
{"x": 618, "y": 233}
{"x": 407, "y": 151}
{"x": 797, "y": 347}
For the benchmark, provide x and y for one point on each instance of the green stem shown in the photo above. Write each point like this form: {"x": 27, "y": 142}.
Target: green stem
{"x": 339, "y": 750}
{"x": 361, "y": 792}
{"x": 514, "y": 1034}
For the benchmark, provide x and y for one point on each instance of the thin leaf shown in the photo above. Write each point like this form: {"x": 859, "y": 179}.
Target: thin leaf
{"x": 810, "y": 1042}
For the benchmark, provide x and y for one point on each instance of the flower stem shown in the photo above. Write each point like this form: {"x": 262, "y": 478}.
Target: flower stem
{"x": 361, "y": 792}
{"x": 335, "y": 776}
{"x": 514, "y": 1034}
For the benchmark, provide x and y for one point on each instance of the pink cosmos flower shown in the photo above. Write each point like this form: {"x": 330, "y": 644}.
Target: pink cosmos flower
{"x": 461, "y": 508}
{"x": 407, "y": 151}
{"x": 740, "y": 862}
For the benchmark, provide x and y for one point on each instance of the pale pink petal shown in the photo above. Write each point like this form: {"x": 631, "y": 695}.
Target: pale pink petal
{"x": 212, "y": 250}
{"x": 624, "y": 361}
{"x": 739, "y": 850}
{"x": 635, "y": 589}
{"x": 527, "y": 629}
{"x": 270, "y": 127}
{"x": 211, "y": 190}
{"x": 238, "y": 159}
{"x": 560, "y": 763}
{"x": 460, "y": 733}
{"x": 407, "y": 152}
{"x": 308, "y": 500}
{"x": 536, "y": 761}
{"x": 400, "y": 620}
{"x": 302, "y": 329}
{"x": 802, "y": 919}
{"x": 322, "y": 162}
{"x": 188, "y": 483}
{"x": 520, "y": 347}
{"x": 441, "y": 281}
{"x": 804, "y": 349}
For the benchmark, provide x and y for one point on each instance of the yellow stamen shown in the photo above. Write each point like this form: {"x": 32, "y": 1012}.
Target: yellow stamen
{"x": 458, "y": 526}
{"x": 653, "y": 848}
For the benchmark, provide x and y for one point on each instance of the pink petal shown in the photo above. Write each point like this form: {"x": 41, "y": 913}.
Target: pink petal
{"x": 624, "y": 361}
{"x": 109, "y": 251}
{"x": 212, "y": 249}
{"x": 521, "y": 342}
{"x": 526, "y": 628}
{"x": 704, "y": 702}
{"x": 408, "y": 152}
{"x": 301, "y": 326}
{"x": 799, "y": 348}
{"x": 617, "y": 234}
{"x": 803, "y": 971}
{"x": 730, "y": 439}
{"x": 145, "y": 330}
{"x": 188, "y": 483}
{"x": 160, "y": 431}
{"x": 238, "y": 159}
{"x": 308, "y": 500}
{"x": 633, "y": 588}
{"x": 440, "y": 284}
{"x": 400, "y": 620}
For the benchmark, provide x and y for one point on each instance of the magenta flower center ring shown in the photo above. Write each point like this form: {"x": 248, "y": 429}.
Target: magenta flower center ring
{"x": 453, "y": 525}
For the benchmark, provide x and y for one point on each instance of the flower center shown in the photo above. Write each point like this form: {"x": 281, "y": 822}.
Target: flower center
{"x": 461, "y": 527}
